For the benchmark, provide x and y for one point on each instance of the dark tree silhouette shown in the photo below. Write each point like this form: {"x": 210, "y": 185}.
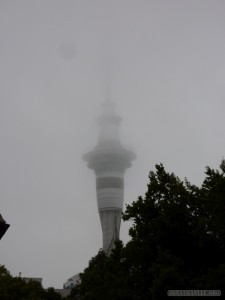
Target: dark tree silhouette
{"x": 15, "y": 288}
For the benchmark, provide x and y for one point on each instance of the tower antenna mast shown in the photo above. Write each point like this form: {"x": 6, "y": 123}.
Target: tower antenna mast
{"x": 107, "y": 80}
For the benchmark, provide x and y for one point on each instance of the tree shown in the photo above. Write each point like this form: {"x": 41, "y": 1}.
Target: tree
{"x": 179, "y": 231}
{"x": 104, "y": 278}
{"x": 177, "y": 242}
{"x": 15, "y": 288}
{"x": 51, "y": 294}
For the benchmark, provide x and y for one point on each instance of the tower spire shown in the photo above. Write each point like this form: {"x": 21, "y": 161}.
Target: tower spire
{"x": 107, "y": 82}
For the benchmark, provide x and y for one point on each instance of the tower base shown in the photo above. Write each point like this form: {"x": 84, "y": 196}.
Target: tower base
{"x": 110, "y": 222}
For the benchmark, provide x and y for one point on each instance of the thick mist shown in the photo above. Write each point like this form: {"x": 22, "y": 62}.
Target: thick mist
{"x": 164, "y": 61}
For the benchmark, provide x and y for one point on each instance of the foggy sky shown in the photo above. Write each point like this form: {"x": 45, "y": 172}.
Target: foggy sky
{"x": 166, "y": 61}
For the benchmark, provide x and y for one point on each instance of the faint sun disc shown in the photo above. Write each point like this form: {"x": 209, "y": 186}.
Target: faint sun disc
{"x": 67, "y": 50}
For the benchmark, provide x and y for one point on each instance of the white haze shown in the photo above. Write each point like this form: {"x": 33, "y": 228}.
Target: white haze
{"x": 166, "y": 61}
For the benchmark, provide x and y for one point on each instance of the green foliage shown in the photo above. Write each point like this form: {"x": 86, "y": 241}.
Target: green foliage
{"x": 15, "y": 288}
{"x": 177, "y": 242}
{"x": 50, "y": 294}
{"x": 104, "y": 278}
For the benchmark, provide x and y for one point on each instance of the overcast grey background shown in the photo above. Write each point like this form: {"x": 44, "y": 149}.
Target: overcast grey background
{"x": 167, "y": 70}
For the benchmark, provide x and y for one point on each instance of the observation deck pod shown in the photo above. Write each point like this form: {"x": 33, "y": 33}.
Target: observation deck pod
{"x": 109, "y": 155}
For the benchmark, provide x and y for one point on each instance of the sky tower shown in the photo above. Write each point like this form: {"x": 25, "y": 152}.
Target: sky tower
{"x": 109, "y": 160}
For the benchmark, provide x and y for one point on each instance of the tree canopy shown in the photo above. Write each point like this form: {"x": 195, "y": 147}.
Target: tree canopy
{"x": 15, "y": 288}
{"x": 177, "y": 242}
